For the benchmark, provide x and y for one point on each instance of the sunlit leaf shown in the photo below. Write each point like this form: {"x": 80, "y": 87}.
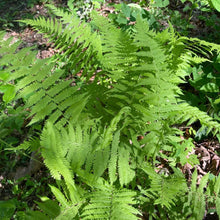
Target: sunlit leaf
{"x": 9, "y": 92}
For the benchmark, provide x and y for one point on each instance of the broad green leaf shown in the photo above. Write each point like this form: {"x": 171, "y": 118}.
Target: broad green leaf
{"x": 50, "y": 208}
{"x": 9, "y": 92}
{"x": 217, "y": 101}
{"x": 122, "y": 19}
{"x": 161, "y": 3}
{"x": 7, "y": 209}
{"x": 35, "y": 215}
{"x": 216, "y": 4}
{"x": 126, "y": 10}
{"x": 70, "y": 4}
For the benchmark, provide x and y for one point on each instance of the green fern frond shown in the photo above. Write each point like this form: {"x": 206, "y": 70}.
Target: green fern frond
{"x": 81, "y": 148}
{"x": 8, "y": 48}
{"x": 126, "y": 174}
{"x": 68, "y": 209}
{"x": 60, "y": 197}
{"x": 163, "y": 187}
{"x": 216, "y": 190}
{"x": 108, "y": 133}
{"x": 31, "y": 145}
{"x": 207, "y": 47}
{"x": 192, "y": 114}
{"x": 111, "y": 204}
{"x": 184, "y": 52}
{"x": 54, "y": 153}
{"x": 13, "y": 59}
{"x": 73, "y": 38}
{"x": 196, "y": 202}
{"x": 113, "y": 45}
{"x": 112, "y": 167}
{"x": 143, "y": 77}
{"x": 49, "y": 96}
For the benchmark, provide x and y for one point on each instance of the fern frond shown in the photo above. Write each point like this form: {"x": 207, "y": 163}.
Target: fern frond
{"x": 108, "y": 133}
{"x": 196, "y": 203}
{"x": 206, "y": 46}
{"x": 112, "y": 166}
{"x": 143, "y": 78}
{"x": 113, "y": 45}
{"x": 73, "y": 38}
{"x": 111, "y": 204}
{"x": 60, "y": 197}
{"x": 192, "y": 114}
{"x": 126, "y": 174}
{"x": 49, "y": 96}
{"x": 163, "y": 188}
{"x": 31, "y": 145}
{"x": 13, "y": 59}
{"x": 54, "y": 153}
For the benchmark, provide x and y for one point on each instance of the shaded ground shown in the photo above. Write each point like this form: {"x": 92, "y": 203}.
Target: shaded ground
{"x": 12, "y": 10}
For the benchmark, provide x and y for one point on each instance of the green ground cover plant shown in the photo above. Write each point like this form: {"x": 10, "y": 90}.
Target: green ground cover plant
{"x": 107, "y": 108}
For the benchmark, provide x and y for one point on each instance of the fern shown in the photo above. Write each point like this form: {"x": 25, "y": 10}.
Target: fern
{"x": 192, "y": 114}
{"x": 89, "y": 141}
{"x": 112, "y": 167}
{"x": 216, "y": 190}
{"x": 80, "y": 149}
{"x": 54, "y": 153}
{"x": 12, "y": 58}
{"x": 48, "y": 95}
{"x": 31, "y": 145}
{"x": 111, "y": 204}
{"x": 163, "y": 188}
{"x": 73, "y": 38}
{"x": 52, "y": 210}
